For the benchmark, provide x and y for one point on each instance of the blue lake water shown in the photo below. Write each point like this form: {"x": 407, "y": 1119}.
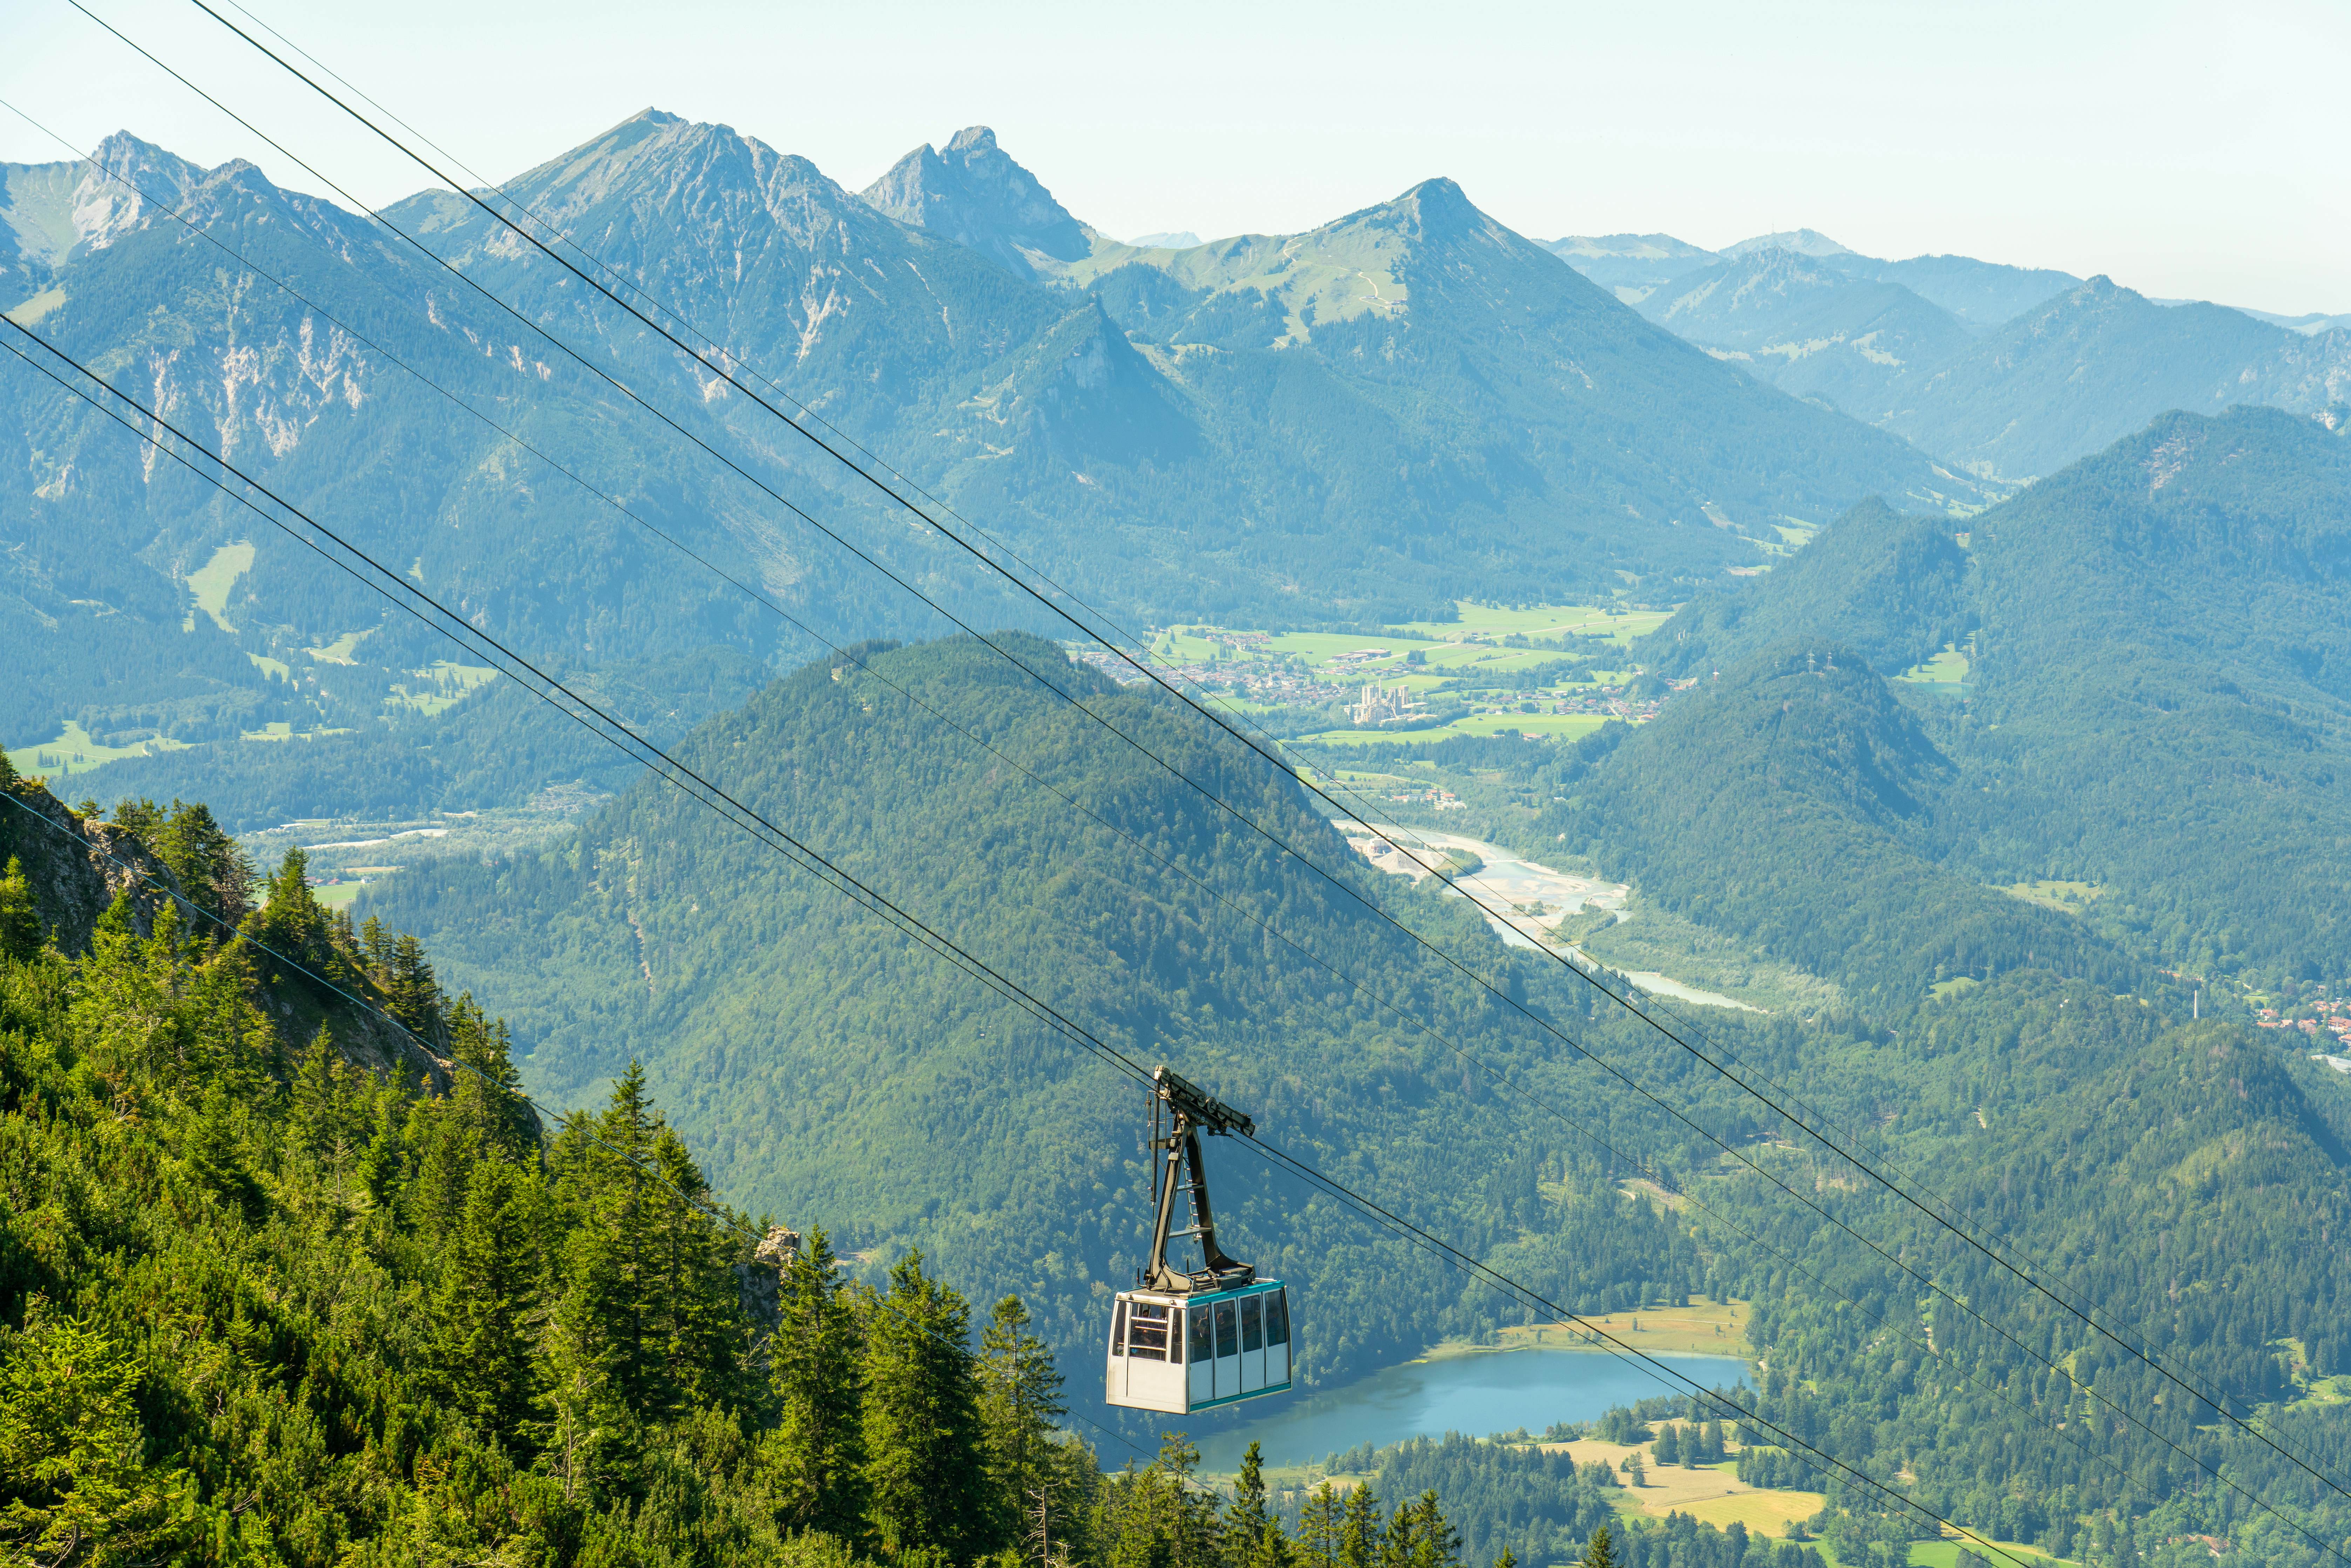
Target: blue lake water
{"x": 1480, "y": 1394}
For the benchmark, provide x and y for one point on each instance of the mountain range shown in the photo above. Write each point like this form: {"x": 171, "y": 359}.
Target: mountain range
{"x": 2007, "y": 372}
{"x": 1359, "y": 424}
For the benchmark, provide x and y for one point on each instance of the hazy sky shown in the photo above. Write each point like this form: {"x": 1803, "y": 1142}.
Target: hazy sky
{"x": 2184, "y": 150}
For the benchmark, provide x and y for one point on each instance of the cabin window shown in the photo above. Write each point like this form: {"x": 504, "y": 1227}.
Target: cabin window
{"x": 1203, "y": 1348}
{"x": 1147, "y": 1333}
{"x": 1118, "y": 1331}
{"x": 1277, "y": 1317}
{"x": 1252, "y": 1328}
{"x": 1227, "y": 1341}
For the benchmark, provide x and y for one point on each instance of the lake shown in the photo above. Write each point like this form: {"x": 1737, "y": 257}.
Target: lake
{"x": 1481, "y": 1393}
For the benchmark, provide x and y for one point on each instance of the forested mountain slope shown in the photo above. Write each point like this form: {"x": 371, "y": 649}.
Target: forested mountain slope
{"x": 1791, "y": 800}
{"x": 2158, "y": 698}
{"x": 1896, "y": 588}
{"x": 499, "y": 746}
{"x": 824, "y": 1066}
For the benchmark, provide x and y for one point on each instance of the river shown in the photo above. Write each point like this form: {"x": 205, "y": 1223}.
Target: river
{"x": 1479, "y": 1393}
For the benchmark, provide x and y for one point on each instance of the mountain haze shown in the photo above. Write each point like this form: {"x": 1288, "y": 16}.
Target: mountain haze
{"x": 2007, "y": 372}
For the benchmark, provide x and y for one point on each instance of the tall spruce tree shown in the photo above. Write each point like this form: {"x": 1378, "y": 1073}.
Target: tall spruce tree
{"x": 414, "y": 995}
{"x": 1362, "y": 1540}
{"x": 290, "y": 925}
{"x": 1020, "y": 1398}
{"x": 815, "y": 1456}
{"x": 1318, "y": 1529}
{"x": 489, "y": 1287}
{"x": 925, "y": 1458}
{"x": 1253, "y": 1537}
{"x": 212, "y": 869}
{"x": 1600, "y": 1551}
{"x": 694, "y": 1330}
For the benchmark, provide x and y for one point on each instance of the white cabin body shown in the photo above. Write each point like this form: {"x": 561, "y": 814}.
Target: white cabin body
{"x": 1182, "y": 1353}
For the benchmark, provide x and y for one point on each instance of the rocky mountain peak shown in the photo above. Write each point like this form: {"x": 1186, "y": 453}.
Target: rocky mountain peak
{"x": 977, "y": 195}
{"x": 102, "y": 211}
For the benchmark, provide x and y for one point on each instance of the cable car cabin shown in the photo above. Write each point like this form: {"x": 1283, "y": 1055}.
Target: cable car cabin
{"x": 1182, "y": 1353}
{"x": 1191, "y": 1339}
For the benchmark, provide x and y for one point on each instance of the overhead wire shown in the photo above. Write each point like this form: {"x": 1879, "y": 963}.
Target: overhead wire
{"x": 1712, "y": 1062}
{"x": 840, "y": 881}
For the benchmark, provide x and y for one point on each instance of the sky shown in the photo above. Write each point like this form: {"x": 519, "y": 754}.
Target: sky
{"x": 2185, "y": 150}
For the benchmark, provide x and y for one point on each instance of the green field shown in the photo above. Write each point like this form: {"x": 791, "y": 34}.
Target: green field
{"x": 1945, "y": 1553}
{"x": 442, "y": 686}
{"x": 2065, "y": 897}
{"x": 1565, "y": 724}
{"x": 73, "y": 749}
{"x": 210, "y": 583}
{"x": 1543, "y": 623}
{"x": 1948, "y": 668}
{"x": 339, "y": 651}
{"x": 1445, "y": 647}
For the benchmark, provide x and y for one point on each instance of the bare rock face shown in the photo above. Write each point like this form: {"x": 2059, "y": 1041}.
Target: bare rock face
{"x": 976, "y": 194}
{"x": 76, "y": 865}
{"x": 761, "y": 1280}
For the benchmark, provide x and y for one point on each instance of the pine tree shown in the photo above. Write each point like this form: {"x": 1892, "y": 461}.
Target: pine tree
{"x": 694, "y": 1331}
{"x": 1601, "y": 1552}
{"x": 20, "y": 918}
{"x": 415, "y": 995}
{"x": 1253, "y": 1538}
{"x": 375, "y": 945}
{"x": 613, "y": 1254}
{"x": 1158, "y": 1518}
{"x": 490, "y": 1097}
{"x": 1020, "y": 1398}
{"x": 1419, "y": 1537}
{"x": 292, "y": 924}
{"x": 1668, "y": 1447}
{"x": 72, "y": 1454}
{"x": 1361, "y": 1541}
{"x": 488, "y": 1288}
{"x": 215, "y": 1156}
{"x": 1318, "y": 1529}
{"x": 815, "y": 1457}
{"x": 1635, "y": 1470}
{"x": 212, "y": 869}
{"x": 925, "y": 1466}
{"x": 380, "y": 1163}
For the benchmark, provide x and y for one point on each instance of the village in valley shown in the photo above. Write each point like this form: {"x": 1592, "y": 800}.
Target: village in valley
{"x": 1544, "y": 671}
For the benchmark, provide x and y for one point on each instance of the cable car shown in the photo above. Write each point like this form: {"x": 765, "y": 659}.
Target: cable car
{"x": 1192, "y": 1339}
